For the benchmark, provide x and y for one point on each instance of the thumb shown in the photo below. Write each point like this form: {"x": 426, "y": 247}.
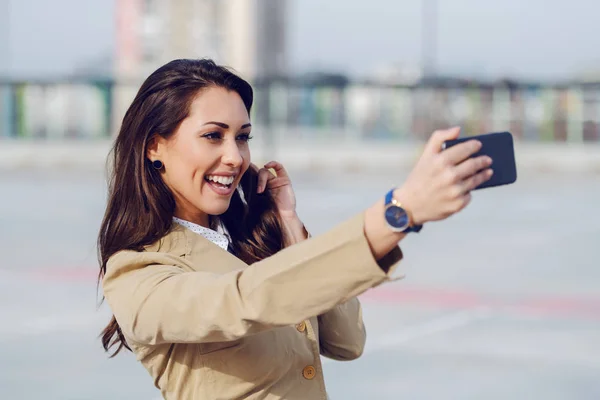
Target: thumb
{"x": 437, "y": 139}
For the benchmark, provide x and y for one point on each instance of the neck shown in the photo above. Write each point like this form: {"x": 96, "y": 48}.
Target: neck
{"x": 198, "y": 218}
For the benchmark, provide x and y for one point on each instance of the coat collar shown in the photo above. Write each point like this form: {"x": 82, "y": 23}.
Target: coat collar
{"x": 200, "y": 252}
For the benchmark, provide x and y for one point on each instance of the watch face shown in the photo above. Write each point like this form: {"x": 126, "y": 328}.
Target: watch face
{"x": 396, "y": 217}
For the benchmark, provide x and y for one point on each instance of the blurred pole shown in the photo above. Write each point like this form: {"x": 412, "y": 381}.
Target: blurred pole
{"x": 5, "y": 87}
{"x": 5, "y": 56}
{"x": 428, "y": 59}
{"x": 429, "y": 22}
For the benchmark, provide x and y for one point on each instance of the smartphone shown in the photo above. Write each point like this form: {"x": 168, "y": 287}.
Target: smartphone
{"x": 499, "y": 146}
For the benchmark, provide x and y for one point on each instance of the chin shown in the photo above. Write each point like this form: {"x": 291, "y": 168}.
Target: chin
{"x": 217, "y": 209}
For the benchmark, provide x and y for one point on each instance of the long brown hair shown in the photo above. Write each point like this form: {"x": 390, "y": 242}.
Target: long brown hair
{"x": 140, "y": 206}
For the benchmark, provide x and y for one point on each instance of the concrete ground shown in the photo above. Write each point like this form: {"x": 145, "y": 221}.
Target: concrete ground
{"x": 499, "y": 302}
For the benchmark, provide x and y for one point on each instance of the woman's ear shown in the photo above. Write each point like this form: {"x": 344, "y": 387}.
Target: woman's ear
{"x": 154, "y": 151}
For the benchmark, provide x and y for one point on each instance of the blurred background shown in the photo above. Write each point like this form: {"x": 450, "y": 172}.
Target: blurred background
{"x": 501, "y": 301}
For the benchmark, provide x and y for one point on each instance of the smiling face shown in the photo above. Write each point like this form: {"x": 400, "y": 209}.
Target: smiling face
{"x": 206, "y": 157}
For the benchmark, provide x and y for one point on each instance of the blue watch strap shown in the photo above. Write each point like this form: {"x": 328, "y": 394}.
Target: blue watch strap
{"x": 414, "y": 228}
{"x": 389, "y": 196}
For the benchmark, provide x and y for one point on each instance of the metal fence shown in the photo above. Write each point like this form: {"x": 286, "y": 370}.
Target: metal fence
{"x": 93, "y": 109}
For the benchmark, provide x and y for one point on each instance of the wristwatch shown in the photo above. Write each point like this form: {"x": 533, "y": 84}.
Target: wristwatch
{"x": 397, "y": 217}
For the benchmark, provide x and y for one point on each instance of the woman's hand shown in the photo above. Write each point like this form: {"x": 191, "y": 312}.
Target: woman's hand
{"x": 440, "y": 183}
{"x": 280, "y": 187}
{"x": 437, "y": 187}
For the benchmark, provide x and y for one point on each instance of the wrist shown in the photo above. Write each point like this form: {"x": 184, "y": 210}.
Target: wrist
{"x": 289, "y": 216}
{"x": 381, "y": 239}
{"x": 294, "y": 229}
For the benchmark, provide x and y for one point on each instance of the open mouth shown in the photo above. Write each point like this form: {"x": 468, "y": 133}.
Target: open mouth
{"x": 221, "y": 183}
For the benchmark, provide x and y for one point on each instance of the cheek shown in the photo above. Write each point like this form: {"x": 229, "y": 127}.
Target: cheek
{"x": 175, "y": 176}
{"x": 192, "y": 158}
{"x": 185, "y": 171}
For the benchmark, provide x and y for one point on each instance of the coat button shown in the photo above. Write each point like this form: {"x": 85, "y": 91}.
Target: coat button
{"x": 301, "y": 326}
{"x": 309, "y": 372}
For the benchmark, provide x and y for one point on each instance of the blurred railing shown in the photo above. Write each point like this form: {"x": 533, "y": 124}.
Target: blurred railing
{"x": 92, "y": 109}
{"x": 78, "y": 110}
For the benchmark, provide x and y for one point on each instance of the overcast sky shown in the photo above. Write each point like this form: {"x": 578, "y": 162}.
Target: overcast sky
{"x": 532, "y": 38}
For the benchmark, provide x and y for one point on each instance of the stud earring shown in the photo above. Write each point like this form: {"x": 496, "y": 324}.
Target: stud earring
{"x": 157, "y": 164}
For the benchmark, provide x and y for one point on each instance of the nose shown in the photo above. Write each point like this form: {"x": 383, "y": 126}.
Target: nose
{"x": 231, "y": 154}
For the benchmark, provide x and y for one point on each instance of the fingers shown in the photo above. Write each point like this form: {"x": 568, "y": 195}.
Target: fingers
{"x": 434, "y": 145}
{"x": 263, "y": 178}
{"x": 268, "y": 178}
{"x": 460, "y": 191}
{"x": 462, "y": 202}
{"x": 469, "y": 167}
{"x": 461, "y": 151}
{"x": 462, "y": 187}
{"x": 278, "y": 167}
{"x": 477, "y": 179}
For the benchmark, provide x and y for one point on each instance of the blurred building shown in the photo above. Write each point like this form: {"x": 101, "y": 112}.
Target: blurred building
{"x": 247, "y": 35}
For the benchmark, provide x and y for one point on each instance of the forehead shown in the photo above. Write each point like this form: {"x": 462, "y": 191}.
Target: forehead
{"x": 218, "y": 104}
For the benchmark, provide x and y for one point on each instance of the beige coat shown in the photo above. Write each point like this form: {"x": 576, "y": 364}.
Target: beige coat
{"x": 207, "y": 326}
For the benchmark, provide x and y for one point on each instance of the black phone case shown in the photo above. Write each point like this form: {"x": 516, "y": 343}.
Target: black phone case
{"x": 500, "y": 147}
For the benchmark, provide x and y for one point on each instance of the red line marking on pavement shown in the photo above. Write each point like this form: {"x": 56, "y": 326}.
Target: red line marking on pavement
{"x": 79, "y": 274}
{"x": 560, "y": 305}
{"x": 435, "y": 297}
{"x": 537, "y": 306}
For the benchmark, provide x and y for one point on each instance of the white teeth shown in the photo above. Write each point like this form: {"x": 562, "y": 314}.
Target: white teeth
{"x": 223, "y": 180}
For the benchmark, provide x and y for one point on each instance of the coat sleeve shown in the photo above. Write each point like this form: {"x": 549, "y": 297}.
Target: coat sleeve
{"x": 156, "y": 302}
{"x": 342, "y": 333}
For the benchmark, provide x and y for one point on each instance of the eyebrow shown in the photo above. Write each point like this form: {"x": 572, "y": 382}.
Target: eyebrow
{"x": 225, "y": 126}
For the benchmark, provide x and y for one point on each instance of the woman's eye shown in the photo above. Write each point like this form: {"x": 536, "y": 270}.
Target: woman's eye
{"x": 212, "y": 135}
{"x": 244, "y": 137}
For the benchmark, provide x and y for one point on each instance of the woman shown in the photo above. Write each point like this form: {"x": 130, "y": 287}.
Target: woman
{"x": 206, "y": 265}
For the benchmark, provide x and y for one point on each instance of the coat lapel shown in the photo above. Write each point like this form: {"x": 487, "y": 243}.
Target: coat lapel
{"x": 205, "y": 255}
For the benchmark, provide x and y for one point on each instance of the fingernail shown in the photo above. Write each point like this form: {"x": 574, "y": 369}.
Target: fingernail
{"x": 490, "y": 172}
{"x": 488, "y": 160}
